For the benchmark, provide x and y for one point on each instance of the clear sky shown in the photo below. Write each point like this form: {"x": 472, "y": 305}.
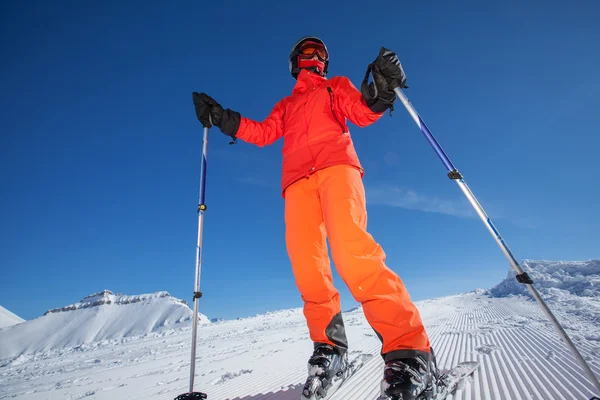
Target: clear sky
{"x": 100, "y": 147}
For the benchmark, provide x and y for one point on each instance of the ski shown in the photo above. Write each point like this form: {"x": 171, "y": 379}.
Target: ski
{"x": 447, "y": 383}
{"x": 313, "y": 388}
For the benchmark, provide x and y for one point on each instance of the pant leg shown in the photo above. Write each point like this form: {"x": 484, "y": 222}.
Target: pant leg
{"x": 360, "y": 261}
{"x": 307, "y": 249}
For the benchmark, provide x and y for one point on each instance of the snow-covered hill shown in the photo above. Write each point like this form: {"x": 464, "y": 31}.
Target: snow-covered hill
{"x": 7, "y": 318}
{"x": 572, "y": 288}
{"x": 264, "y": 357}
{"x": 102, "y": 316}
{"x": 555, "y": 278}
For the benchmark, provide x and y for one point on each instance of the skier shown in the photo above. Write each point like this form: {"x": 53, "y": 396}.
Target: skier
{"x": 324, "y": 198}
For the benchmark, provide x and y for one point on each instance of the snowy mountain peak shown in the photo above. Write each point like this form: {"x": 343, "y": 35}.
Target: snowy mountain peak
{"x": 108, "y": 297}
{"x": 102, "y": 316}
{"x": 7, "y": 318}
{"x": 103, "y": 293}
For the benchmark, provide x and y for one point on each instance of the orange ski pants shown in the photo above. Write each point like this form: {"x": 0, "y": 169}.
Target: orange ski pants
{"x": 330, "y": 204}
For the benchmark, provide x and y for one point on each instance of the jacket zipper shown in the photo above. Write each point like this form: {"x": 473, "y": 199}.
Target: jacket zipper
{"x": 333, "y": 110}
{"x": 312, "y": 158}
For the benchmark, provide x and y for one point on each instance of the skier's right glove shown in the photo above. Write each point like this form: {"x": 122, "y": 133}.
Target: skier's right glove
{"x": 208, "y": 110}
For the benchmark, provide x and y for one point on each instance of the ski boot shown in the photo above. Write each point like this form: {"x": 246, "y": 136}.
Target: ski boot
{"x": 327, "y": 369}
{"x": 408, "y": 379}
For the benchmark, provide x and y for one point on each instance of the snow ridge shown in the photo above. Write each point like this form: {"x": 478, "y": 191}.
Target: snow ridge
{"x": 572, "y": 287}
{"x": 7, "y": 318}
{"x": 108, "y": 297}
{"x": 579, "y": 278}
{"x": 100, "y": 317}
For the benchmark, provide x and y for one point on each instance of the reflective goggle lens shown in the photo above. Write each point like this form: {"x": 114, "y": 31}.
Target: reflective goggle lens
{"x": 310, "y": 48}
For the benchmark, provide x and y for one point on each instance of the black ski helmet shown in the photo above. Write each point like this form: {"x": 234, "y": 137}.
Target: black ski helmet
{"x": 293, "y": 57}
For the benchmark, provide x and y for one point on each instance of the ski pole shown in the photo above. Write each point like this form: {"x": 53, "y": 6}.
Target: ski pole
{"x": 522, "y": 277}
{"x": 197, "y": 294}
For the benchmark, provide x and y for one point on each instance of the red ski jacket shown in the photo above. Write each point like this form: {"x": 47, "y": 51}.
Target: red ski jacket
{"x": 312, "y": 121}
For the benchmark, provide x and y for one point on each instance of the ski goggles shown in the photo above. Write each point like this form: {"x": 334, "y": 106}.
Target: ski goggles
{"x": 309, "y": 49}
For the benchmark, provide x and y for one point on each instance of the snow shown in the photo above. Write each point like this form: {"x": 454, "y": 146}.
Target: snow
{"x": 7, "y": 318}
{"x": 581, "y": 278}
{"x": 573, "y": 288}
{"x": 264, "y": 357}
{"x": 100, "y": 317}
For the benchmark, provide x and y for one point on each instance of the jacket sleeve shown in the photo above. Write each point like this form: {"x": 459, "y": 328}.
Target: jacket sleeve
{"x": 262, "y": 133}
{"x": 353, "y": 105}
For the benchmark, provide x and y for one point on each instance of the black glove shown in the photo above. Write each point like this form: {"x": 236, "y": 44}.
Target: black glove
{"x": 389, "y": 66}
{"x": 208, "y": 110}
{"x": 387, "y": 75}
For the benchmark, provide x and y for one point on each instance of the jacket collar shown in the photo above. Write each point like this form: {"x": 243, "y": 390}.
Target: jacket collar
{"x": 306, "y": 81}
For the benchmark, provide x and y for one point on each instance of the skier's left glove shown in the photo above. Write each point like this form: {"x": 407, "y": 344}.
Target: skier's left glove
{"x": 209, "y": 110}
{"x": 387, "y": 75}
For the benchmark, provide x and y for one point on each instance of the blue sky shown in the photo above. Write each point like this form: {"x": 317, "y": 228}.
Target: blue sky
{"x": 100, "y": 146}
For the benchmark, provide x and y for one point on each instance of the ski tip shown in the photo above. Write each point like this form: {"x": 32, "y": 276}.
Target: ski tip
{"x": 464, "y": 368}
{"x": 473, "y": 364}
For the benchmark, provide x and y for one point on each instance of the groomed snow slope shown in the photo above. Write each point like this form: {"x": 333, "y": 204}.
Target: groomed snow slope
{"x": 264, "y": 357}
